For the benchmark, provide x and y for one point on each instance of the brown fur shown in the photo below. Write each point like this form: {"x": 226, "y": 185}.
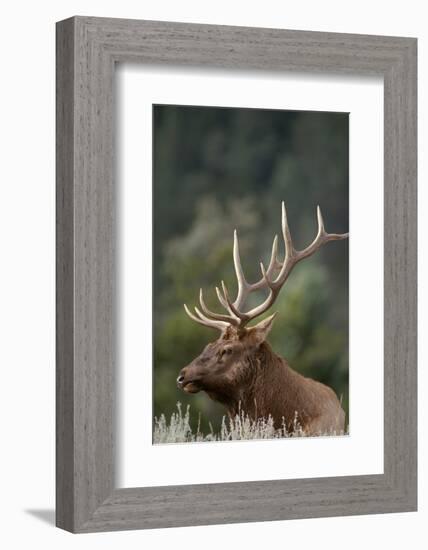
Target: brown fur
{"x": 241, "y": 371}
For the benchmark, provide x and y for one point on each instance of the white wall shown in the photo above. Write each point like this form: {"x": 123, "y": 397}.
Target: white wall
{"x": 27, "y": 270}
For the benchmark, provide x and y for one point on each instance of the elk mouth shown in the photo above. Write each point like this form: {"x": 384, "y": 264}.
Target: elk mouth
{"x": 190, "y": 387}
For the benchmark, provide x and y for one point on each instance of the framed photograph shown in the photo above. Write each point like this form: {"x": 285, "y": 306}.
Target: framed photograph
{"x": 232, "y": 173}
{"x": 236, "y": 274}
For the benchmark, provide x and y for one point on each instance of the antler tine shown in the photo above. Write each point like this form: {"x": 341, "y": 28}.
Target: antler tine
{"x": 240, "y": 277}
{"x": 274, "y": 256}
{"x": 231, "y": 306}
{"x": 244, "y": 287}
{"x": 290, "y": 257}
{"x": 320, "y": 220}
{"x": 266, "y": 280}
{"x": 226, "y": 302}
{"x": 218, "y": 324}
{"x": 212, "y": 315}
{"x": 321, "y": 238}
{"x": 221, "y": 298}
{"x": 256, "y": 311}
{"x": 328, "y": 236}
{"x": 202, "y": 320}
{"x": 289, "y": 248}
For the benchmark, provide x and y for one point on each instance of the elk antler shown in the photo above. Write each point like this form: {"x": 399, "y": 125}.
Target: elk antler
{"x": 235, "y": 315}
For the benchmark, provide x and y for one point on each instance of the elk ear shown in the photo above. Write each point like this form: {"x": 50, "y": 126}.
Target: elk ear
{"x": 259, "y": 332}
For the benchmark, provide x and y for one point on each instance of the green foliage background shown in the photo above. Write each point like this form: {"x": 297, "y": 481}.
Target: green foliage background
{"x": 216, "y": 169}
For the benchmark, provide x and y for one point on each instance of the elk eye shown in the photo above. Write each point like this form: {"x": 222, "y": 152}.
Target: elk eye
{"x": 226, "y": 351}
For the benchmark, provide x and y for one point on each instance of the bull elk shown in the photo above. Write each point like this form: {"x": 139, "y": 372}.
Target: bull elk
{"x": 240, "y": 369}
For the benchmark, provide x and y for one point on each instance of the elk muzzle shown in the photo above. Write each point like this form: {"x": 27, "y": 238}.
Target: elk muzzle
{"x": 187, "y": 382}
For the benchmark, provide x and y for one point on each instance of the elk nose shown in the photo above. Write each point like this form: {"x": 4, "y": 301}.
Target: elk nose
{"x": 180, "y": 379}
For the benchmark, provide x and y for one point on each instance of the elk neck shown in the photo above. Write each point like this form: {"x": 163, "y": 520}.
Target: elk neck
{"x": 260, "y": 375}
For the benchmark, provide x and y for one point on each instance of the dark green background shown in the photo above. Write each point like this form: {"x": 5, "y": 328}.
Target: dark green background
{"x": 216, "y": 169}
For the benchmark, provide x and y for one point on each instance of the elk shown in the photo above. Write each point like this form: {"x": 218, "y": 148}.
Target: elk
{"x": 240, "y": 369}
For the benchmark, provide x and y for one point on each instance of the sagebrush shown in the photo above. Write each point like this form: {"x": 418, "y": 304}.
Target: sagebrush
{"x": 241, "y": 427}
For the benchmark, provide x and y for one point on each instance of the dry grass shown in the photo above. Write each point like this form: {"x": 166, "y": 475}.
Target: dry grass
{"x": 178, "y": 429}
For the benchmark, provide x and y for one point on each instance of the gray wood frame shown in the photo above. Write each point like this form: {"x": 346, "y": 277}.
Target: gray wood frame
{"x": 87, "y": 50}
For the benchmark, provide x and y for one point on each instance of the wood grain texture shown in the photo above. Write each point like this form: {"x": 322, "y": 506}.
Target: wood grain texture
{"x": 87, "y": 50}
{"x": 64, "y": 277}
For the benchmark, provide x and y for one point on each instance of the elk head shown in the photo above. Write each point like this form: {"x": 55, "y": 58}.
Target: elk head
{"x": 225, "y": 367}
